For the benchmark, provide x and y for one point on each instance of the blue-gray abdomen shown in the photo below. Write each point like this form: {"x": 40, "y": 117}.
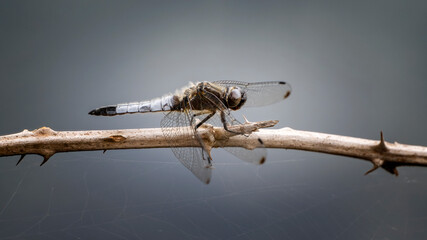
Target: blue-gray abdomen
{"x": 155, "y": 105}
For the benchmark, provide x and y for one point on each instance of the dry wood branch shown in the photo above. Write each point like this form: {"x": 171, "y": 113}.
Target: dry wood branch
{"x": 46, "y": 142}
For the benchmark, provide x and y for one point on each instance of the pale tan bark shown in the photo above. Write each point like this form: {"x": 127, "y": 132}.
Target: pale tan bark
{"x": 46, "y": 142}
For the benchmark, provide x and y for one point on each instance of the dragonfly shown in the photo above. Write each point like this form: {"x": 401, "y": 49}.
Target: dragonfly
{"x": 189, "y": 108}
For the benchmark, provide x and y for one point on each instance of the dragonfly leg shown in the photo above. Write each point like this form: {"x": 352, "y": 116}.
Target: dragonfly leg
{"x": 224, "y": 123}
{"x": 204, "y": 120}
{"x": 205, "y": 150}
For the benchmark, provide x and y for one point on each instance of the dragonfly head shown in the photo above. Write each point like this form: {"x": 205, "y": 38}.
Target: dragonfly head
{"x": 235, "y": 98}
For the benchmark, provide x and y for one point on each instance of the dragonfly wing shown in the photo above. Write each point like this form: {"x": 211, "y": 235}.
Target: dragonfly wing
{"x": 260, "y": 93}
{"x": 256, "y": 156}
{"x": 176, "y": 123}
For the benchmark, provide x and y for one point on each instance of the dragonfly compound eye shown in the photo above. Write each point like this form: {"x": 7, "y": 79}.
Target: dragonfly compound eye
{"x": 234, "y": 98}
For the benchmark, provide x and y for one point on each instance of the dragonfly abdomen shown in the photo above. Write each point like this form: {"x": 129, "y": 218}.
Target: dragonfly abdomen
{"x": 155, "y": 105}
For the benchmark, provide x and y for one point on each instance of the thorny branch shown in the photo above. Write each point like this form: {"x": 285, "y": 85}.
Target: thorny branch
{"x": 46, "y": 142}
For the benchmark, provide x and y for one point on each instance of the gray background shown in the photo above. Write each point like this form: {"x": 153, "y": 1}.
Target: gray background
{"x": 356, "y": 67}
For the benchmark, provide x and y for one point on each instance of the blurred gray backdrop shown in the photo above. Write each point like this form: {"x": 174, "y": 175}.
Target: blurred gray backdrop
{"x": 356, "y": 68}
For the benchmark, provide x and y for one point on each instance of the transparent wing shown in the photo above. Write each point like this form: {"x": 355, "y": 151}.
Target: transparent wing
{"x": 260, "y": 93}
{"x": 176, "y": 123}
{"x": 254, "y": 156}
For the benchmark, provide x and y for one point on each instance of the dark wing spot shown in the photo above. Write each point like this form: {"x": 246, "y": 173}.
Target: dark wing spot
{"x": 287, "y": 94}
{"x": 262, "y": 161}
{"x": 282, "y": 82}
{"x": 260, "y": 141}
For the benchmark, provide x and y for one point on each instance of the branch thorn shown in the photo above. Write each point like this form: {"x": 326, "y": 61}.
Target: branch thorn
{"x": 375, "y": 167}
{"x": 377, "y": 163}
{"x": 20, "y": 159}
{"x": 246, "y": 120}
{"x": 382, "y": 142}
{"x": 391, "y": 168}
{"x": 46, "y": 158}
{"x": 381, "y": 147}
